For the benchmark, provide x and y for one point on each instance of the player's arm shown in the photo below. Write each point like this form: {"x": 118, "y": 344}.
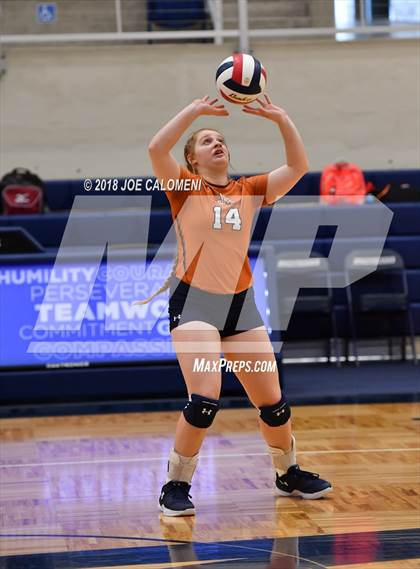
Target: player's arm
{"x": 164, "y": 164}
{"x": 281, "y": 180}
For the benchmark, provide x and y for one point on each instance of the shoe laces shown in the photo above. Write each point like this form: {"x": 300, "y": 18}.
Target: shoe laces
{"x": 302, "y": 473}
{"x": 180, "y": 489}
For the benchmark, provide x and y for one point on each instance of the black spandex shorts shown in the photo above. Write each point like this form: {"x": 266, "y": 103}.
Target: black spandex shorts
{"x": 221, "y": 310}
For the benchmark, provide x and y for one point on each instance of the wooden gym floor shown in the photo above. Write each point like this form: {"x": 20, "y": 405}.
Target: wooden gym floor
{"x": 81, "y": 492}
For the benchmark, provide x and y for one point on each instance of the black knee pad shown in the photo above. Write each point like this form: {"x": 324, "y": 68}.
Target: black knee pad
{"x": 276, "y": 415}
{"x": 200, "y": 411}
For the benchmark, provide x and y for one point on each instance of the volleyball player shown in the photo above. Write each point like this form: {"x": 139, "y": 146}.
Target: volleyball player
{"x": 212, "y": 305}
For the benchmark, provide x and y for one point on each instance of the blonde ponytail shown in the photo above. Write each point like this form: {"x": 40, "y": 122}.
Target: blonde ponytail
{"x": 167, "y": 283}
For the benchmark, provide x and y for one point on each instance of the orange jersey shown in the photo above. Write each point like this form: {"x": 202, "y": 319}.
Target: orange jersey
{"x": 213, "y": 226}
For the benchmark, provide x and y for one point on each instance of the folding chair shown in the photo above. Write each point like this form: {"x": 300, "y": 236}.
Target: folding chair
{"x": 312, "y": 276}
{"x": 382, "y": 292}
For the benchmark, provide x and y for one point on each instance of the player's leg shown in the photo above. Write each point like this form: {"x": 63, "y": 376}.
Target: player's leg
{"x": 203, "y": 386}
{"x": 203, "y": 383}
{"x": 263, "y": 390}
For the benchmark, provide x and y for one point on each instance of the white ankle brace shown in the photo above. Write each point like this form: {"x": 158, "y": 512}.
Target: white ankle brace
{"x": 181, "y": 467}
{"x": 282, "y": 460}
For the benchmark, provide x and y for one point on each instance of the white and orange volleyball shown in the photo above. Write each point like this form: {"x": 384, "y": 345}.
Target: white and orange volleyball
{"x": 241, "y": 78}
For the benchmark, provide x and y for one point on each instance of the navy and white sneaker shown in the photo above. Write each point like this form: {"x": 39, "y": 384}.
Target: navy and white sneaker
{"x": 175, "y": 500}
{"x": 297, "y": 482}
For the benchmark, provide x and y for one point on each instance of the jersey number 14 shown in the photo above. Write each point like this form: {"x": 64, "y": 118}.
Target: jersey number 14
{"x": 232, "y": 217}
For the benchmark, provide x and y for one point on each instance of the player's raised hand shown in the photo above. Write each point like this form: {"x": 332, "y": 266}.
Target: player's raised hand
{"x": 266, "y": 109}
{"x": 207, "y": 106}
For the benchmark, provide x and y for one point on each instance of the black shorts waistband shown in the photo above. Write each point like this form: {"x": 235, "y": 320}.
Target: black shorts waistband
{"x": 181, "y": 288}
